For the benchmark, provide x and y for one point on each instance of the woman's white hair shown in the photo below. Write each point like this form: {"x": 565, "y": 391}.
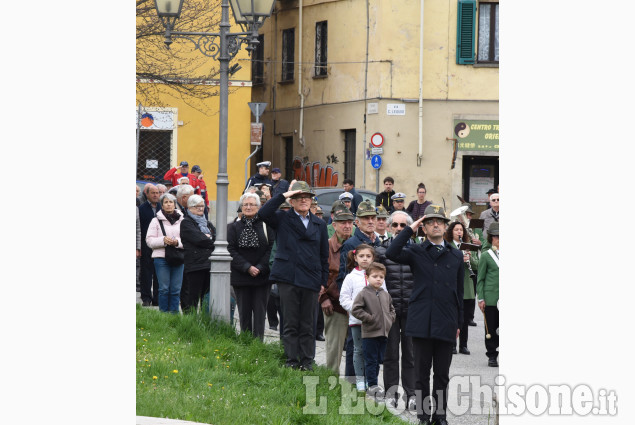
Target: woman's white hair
{"x": 253, "y": 196}
{"x": 169, "y": 196}
{"x": 194, "y": 201}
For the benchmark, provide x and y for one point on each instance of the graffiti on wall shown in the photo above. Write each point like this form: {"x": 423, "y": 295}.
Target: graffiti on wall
{"x": 314, "y": 173}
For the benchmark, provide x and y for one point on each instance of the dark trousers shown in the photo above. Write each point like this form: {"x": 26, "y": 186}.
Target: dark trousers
{"x": 252, "y": 308}
{"x": 438, "y": 355}
{"x": 396, "y": 336}
{"x": 491, "y": 315}
{"x": 298, "y": 319}
{"x": 198, "y": 285}
{"x": 185, "y": 292}
{"x": 349, "y": 346}
{"x": 148, "y": 278}
{"x": 373, "y": 349}
{"x": 468, "y": 316}
{"x": 273, "y": 306}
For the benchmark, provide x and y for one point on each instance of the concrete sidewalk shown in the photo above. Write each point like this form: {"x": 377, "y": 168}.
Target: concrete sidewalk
{"x": 474, "y": 365}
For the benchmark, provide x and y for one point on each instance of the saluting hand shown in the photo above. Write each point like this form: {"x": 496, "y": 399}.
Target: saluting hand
{"x": 290, "y": 193}
{"x": 414, "y": 226}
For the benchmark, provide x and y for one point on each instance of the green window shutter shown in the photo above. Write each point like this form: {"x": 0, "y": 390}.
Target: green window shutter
{"x": 465, "y": 32}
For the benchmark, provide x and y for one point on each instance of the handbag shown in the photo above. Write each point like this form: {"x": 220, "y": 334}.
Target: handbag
{"x": 173, "y": 256}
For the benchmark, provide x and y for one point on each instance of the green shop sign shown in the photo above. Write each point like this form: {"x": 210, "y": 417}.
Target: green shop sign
{"x": 476, "y": 135}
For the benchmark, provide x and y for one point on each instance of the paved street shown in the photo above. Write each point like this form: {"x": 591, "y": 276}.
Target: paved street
{"x": 462, "y": 365}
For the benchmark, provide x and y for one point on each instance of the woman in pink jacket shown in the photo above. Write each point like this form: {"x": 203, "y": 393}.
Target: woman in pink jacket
{"x": 170, "y": 277}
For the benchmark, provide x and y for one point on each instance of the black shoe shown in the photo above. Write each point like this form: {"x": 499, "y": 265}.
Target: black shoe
{"x": 155, "y": 304}
{"x": 305, "y": 368}
{"x": 320, "y": 337}
{"x": 146, "y": 303}
{"x": 441, "y": 421}
{"x": 273, "y": 328}
{"x": 454, "y": 350}
{"x": 464, "y": 350}
{"x": 472, "y": 323}
{"x": 492, "y": 362}
{"x": 425, "y": 422}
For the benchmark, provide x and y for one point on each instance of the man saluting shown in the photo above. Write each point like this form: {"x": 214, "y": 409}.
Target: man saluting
{"x": 435, "y": 314}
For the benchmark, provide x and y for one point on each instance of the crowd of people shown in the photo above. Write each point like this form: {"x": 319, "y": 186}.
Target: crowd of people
{"x": 385, "y": 283}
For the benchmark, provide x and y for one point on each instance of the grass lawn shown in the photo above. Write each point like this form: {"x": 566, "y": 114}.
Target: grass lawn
{"x": 192, "y": 369}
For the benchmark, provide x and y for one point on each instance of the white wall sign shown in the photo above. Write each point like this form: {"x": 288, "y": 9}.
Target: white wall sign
{"x": 396, "y": 109}
{"x": 156, "y": 120}
{"x": 152, "y": 163}
{"x": 479, "y": 187}
{"x": 372, "y": 108}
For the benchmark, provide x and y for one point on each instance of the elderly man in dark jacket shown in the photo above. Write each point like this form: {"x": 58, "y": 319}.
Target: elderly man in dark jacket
{"x": 300, "y": 268}
{"x": 399, "y": 282}
{"x": 435, "y": 311}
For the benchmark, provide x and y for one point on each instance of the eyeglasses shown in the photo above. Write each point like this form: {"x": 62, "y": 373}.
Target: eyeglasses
{"x": 402, "y": 225}
{"x": 199, "y": 206}
{"x": 250, "y": 205}
{"x": 494, "y": 200}
{"x": 434, "y": 221}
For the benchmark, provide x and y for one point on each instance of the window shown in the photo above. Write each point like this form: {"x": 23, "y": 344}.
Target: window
{"x": 466, "y": 13}
{"x": 349, "y": 154}
{"x": 488, "y": 33}
{"x": 288, "y": 45}
{"x": 257, "y": 62}
{"x": 320, "y": 48}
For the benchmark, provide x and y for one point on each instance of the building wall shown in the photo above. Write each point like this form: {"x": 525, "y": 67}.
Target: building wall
{"x": 340, "y": 101}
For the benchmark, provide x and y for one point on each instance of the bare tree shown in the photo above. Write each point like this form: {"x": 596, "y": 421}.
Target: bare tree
{"x": 179, "y": 71}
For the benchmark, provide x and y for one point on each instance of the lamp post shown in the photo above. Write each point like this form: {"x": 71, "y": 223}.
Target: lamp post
{"x": 250, "y": 14}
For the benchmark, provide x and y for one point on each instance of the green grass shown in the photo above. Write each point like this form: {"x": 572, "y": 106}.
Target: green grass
{"x": 192, "y": 369}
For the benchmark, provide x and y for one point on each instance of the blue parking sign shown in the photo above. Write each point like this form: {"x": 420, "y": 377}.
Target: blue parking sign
{"x": 376, "y": 161}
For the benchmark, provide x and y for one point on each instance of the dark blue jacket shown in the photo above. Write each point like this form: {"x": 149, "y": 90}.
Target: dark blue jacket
{"x": 357, "y": 199}
{"x": 146, "y": 214}
{"x": 435, "y": 308}
{"x": 280, "y": 186}
{"x": 302, "y": 254}
{"x": 351, "y": 243}
{"x": 257, "y": 178}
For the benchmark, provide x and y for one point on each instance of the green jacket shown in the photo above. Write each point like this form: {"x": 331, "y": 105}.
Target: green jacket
{"x": 331, "y": 230}
{"x": 468, "y": 286}
{"x": 487, "y": 283}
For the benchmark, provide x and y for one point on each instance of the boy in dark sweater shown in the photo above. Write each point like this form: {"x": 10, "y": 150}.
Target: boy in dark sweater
{"x": 373, "y": 306}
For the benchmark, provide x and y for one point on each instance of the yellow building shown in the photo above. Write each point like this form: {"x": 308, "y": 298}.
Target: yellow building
{"x": 336, "y": 72}
{"x": 175, "y": 127}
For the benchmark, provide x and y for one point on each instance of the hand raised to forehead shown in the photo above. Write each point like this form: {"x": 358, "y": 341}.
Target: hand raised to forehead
{"x": 414, "y": 226}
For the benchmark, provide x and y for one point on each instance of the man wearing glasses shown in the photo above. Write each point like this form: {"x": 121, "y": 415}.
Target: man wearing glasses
{"x": 490, "y": 215}
{"x": 399, "y": 282}
{"x": 435, "y": 314}
{"x": 300, "y": 269}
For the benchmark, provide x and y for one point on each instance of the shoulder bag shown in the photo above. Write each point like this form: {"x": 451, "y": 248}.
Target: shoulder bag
{"x": 173, "y": 256}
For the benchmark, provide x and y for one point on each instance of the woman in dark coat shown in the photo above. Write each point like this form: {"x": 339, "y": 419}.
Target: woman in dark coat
{"x": 249, "y": 242}
{"x": 198, "y": 236}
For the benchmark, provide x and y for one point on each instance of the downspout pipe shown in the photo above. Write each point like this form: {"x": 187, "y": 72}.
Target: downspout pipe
{"x": 301, "y": 131}
{"x": 420, "y": 155}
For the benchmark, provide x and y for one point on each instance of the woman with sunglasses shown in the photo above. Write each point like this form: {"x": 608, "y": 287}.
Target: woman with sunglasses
{"x": 490, "y": 215}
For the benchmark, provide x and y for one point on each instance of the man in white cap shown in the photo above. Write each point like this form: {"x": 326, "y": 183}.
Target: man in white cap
{"x": 262, "y": 176}
{"x": 398, "y": 202}
{"x": 347, "y": 198}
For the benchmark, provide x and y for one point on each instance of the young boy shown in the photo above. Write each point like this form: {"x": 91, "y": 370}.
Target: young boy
{"x": 373, "y": 306}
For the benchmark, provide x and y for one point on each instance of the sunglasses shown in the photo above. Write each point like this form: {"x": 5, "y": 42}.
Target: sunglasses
{"x": 402, "y": 225}
{"x": 494, "y": 200}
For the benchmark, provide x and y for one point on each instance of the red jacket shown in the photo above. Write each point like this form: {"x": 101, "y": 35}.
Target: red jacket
{"x": 201, "y": 189}
{"x": 174, "y": 177}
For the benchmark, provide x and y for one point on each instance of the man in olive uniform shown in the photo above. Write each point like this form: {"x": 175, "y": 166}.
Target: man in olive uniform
{"x": 435, "y": 313}
{"x": 487, "y": 291}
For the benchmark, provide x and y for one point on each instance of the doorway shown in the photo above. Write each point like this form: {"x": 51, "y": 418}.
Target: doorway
{"x": 480, "y": 173}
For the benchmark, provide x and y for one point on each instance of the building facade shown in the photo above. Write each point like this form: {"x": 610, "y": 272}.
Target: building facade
{"x": 349, "y": 88}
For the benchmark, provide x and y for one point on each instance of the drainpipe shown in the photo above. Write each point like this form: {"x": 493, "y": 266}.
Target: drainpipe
{"x": 366, "y": 97}
{"x": 301, "y": 133}
{"x": 420, "y": 155}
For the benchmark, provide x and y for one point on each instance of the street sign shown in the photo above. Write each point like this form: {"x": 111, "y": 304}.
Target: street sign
{"x": 396, "y": 109}
{"x": 376, "y": 161}
{"x": 256, "y": 133}
{"x": 257, "y": 109}
{"x": 377, "y": 151}
{"x": 377, "y": 140}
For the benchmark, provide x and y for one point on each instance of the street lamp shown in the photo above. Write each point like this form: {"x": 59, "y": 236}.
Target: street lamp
{"x": 251, "y": 15}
